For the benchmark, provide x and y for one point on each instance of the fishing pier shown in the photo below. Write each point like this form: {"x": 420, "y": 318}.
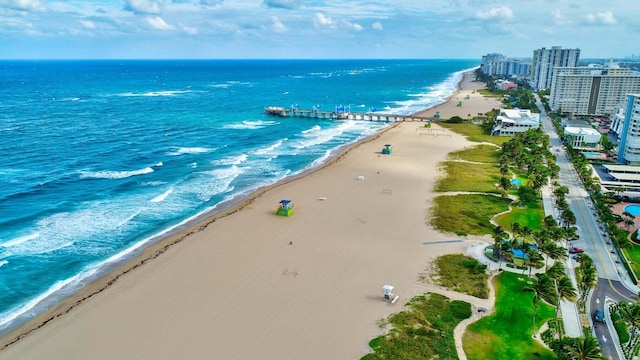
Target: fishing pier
{"x": 342, "y": 115}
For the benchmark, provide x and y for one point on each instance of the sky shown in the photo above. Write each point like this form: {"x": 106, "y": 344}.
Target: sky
{"x": 314, "y": 29}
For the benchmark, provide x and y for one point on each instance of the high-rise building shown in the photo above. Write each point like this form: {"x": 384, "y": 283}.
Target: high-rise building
{"x": 544, "y": 60}
{"x": 499, "y": 65}
{"x": 629, "y": 136}
{"x": 592, "y": 90}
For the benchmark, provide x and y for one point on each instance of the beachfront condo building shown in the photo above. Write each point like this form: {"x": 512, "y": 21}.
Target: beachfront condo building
{"x": 627, "y": 124}
{"x": 512, "y": 121}
{"x": 594, "y": 90}
{"x": 545, "y": 60}
{"x": 500, "y": 65}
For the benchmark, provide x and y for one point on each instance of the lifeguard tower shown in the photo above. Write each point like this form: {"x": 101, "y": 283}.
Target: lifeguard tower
{"x": 387, "y": 149}
{"x": 285, "y": 208}
{"x": 388, "y": 294}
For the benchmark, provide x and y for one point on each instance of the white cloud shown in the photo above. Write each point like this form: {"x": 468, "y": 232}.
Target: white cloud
{"x": 189, "y": 30}
{"x": 27, "y": 5}
{"x": 353, "y": 26}
{"x": 320, "y": 20}
{"x": 601, "y": 18}
{"x": 502, "y": 12}
{"x": 87, "y": 24}
{"x": 376, "y": 26}
{"x": 558, "y": 17}
{"x": 158, "y": 23}
{"x": 277, "y": 25}
{"x": 144, "y": 6}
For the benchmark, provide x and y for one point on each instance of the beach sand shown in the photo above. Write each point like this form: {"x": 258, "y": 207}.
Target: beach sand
{"x": 253, "y": 285}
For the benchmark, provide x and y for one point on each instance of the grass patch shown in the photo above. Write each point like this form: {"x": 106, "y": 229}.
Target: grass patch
{"x": 463, "y": 274}
{"x": 461, "y": 176}
{"x": 423, "y": 331}
{"x": 506, "y": 334}
{"x": 466, "y": 214}
{"x": 480, "y": 153}
{"x": 474, "y": 133}
{"x": 530, "y": 216}
{"x": 633, "y": 256}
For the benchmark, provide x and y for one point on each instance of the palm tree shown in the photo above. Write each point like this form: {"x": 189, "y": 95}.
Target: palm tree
{"x": 565, "y": 290}
{"x": 631, "y": 314}
{"x": 586, "y": 348}
{"x": 568, "y": 217}
{"x": 543, "y": 288}
{"x": 499, "y": 235}
{"x": 515, "y": 228}
{"x": 549, "y": 222}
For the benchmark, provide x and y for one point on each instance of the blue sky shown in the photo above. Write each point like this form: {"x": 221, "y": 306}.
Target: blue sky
{"x": 234, "y": 29}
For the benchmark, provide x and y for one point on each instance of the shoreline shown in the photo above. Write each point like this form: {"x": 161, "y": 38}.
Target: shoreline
{"x": 202, "y": 224}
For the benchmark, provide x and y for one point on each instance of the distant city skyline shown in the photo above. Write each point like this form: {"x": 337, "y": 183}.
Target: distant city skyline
{"x": 319, "y": 29}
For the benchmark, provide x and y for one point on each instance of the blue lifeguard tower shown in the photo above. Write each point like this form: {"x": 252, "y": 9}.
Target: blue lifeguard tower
{"x": 387, "y": 149}
{"x": 285, "y": 208}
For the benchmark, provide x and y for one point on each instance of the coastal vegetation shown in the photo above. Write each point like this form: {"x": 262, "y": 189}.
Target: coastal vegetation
{"x": 468, "y": 214}
{"x": 463, "y": 274}
{"x": 423, "y": 331}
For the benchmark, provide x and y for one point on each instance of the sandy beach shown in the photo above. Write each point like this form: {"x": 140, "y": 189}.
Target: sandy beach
{"x": 248, "y": 284}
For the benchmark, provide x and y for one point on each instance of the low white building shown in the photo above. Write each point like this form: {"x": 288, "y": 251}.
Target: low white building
{"x": 583, "y": 138}
{"x": 513, "y": 121}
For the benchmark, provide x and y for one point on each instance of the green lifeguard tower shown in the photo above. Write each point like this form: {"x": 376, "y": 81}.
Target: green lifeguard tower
{"x": 285, "y": 208}
{"x": 387, "y": 149}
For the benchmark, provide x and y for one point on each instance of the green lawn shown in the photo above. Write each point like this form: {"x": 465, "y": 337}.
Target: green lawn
{"x": 423, "y": 331}
{"x": 466, "y": 214}
{"x": 474, "y": 133}
{"x": 506, "y": 334}
{"x": 530, "y": 216}
{"x": 462, "y": 176}
{"x": 633, "y": 255}
{"x": 480, "y": 153}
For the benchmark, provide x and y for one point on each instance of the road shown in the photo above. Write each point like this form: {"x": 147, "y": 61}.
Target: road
{"x": 613, "y": 283}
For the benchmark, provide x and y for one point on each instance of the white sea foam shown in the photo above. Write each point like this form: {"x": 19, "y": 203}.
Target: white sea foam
{"x": 251, "y": 125}
{"x": 314, "y": 128}
{"x": 321, "y": 137}
{"x": 216, "y": 182}
{"x": 20, "y": 240}
{"x": 155, "y": 93}
{"x": 190, "y": 150}
{"x": 231, "y": 160}
{"x": 270, "y": 148}
{"x": 153, "y": 183}
{"x": 114, "y": 174}
{"x": 3, "y": 262}
{"x": 162, "y": 196}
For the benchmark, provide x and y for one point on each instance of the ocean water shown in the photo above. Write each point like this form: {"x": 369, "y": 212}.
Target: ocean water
{"x": 100, "y": 158}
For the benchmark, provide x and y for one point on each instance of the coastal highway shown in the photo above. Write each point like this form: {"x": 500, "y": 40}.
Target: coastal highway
{"x": 613, "y": 283}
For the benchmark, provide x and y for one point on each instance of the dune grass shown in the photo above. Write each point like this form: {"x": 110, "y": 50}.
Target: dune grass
{"x": 464, "y": 176}
{"x": 463, "y": 274}
{"x": 423, "y": 331}
{"x": 482, "y": 153}
{"x": 507, "y": 333}
{"x": 466, "y": 214}
{"x": 474, "y": 133}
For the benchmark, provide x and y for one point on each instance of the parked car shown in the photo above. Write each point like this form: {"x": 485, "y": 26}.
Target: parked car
{"x": 599, "y": 315}
{"x": 576, "y": 250}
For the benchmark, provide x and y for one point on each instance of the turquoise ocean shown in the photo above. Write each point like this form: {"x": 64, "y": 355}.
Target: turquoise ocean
{"x": 101, "y": 158}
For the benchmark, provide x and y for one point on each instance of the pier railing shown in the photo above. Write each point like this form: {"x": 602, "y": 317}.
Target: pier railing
{"x": 335, "y": 115}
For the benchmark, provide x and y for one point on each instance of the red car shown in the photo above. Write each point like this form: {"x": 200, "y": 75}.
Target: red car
{"x": 576, "y": 250}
